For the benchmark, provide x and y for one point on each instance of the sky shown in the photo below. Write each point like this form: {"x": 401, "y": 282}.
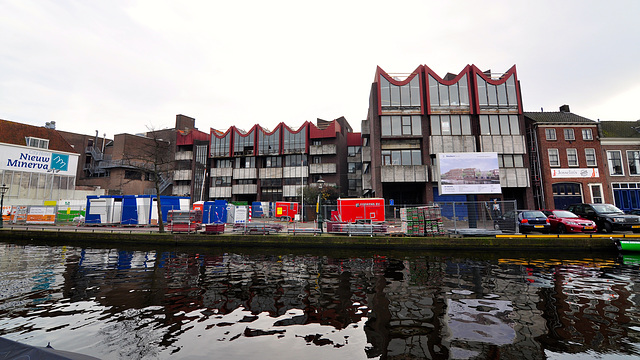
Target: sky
{"x": 126, "y": 66}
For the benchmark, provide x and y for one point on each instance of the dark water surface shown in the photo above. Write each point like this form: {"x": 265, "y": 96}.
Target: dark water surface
{"x": 187, "y": 303}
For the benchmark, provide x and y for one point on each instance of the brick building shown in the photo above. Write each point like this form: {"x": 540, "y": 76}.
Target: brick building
{"x": 567, "y": 165}
{"x": 36, "y": 163}
{"x": 620, "y": 141}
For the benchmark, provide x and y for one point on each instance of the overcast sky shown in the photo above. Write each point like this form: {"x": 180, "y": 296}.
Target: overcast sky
{"x": 124, "y": 66}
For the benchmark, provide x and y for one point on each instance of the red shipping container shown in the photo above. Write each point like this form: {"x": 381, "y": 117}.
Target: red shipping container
{"x": 367, "y": 209}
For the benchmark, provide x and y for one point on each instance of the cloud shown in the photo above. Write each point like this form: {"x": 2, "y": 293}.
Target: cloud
{"x": 123, "y": 65}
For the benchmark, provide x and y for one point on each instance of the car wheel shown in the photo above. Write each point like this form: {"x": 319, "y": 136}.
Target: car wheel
{"x": 607, "y": 228}
{"x": 562, "y": 229}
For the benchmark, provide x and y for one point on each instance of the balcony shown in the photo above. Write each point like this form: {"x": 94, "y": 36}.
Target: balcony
{"x": 179, "y": 190}
{"x": 295, "y": 171}
{"x": 220, "y": 192}
{"x": 245, "y": 173}
{"x": 291, "y": 190}
{"x": 221, "y": 172}
{"x": 366, "y": 154}
{"x": 329, "y": 149}
{"x": 271, "y": 173}
{"x": 322, "y": 168}
{"x": 244, "y": 189}
{"x": 514, "y": 177}
{"x": 182, "y": 175}
{"x": 404, "y": 173}
{"x": 184, "y": 155}
{"x": 452, "y": 144}
{"x": 503, "y": 144}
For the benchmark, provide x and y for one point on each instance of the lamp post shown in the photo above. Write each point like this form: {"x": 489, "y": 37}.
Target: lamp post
{"x": 3, "y": 189}
{"x": 319, "y": 205}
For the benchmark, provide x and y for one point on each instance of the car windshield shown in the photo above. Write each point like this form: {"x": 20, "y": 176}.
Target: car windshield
{"x": 533, "y": 214}
{"x": 564, "y": 214}
{"x": 606, "y": 209}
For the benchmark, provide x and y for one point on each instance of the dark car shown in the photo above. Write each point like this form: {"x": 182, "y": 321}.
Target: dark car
{"x": 607, "y": 217}
{"x": 563, "y": 221}
{"x": 523, "y": 221}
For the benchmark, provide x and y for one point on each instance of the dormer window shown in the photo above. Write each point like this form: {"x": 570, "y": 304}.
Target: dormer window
{"x": 37, "y": 142}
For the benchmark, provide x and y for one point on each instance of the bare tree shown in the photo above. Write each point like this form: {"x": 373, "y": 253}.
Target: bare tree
{"x": 153, "y": 157}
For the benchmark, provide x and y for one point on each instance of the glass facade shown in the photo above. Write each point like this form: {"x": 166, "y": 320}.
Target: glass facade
{"x": 220, "y": 146}
{"x": 455, "y": 95}
{"x": 497, "y": 96}
{"x": 394, "y": 97}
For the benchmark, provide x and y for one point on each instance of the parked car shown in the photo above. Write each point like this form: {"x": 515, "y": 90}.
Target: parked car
{"x": 563, "y": 221}
{"x": 523, "y": 221}
{"x": 607, "y": 217}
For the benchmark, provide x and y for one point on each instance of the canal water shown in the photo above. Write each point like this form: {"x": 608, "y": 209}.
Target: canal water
{"x": 224, "y": 303}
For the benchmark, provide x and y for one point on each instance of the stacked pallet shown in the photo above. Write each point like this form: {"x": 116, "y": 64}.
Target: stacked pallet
{"x": 422, "y": 221}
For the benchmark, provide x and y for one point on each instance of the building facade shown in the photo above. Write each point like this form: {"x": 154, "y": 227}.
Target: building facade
{"x": 413, "y": 118}
{"x": 567, "y": 164}
{"x": 275, "y": 165}
{"x": 620, "y": 141}
{"x": 37, "y": 164}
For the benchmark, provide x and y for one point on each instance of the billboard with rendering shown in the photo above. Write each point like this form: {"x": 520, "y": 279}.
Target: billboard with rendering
{"x": 468, "y": 173}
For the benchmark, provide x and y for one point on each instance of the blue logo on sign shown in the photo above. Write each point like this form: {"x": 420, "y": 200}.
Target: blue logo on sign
{"x": 59, "y": 162}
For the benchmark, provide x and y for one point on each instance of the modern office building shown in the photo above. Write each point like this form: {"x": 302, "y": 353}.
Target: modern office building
{"x": 412, "y": 118}
{"x": 567, "y": 164}
{"x": 274, "y": 165}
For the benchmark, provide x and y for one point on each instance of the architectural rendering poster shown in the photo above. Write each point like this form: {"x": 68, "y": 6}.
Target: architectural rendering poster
{"x": 469, "y": 173}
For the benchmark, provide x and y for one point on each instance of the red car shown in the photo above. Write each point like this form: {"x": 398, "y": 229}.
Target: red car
{"x": 563, "y": 222}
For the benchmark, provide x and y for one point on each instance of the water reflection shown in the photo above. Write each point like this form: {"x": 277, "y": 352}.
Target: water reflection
{"x": 148, "y": 304}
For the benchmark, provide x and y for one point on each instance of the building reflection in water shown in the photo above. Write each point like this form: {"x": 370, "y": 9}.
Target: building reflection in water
{"x": 155, "y": 304}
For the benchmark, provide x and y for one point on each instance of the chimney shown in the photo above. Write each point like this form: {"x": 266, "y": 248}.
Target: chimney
{"x": 565, "y": 108}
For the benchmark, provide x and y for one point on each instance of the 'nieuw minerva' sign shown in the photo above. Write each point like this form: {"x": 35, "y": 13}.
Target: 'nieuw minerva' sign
{"x": 37, "y": 160}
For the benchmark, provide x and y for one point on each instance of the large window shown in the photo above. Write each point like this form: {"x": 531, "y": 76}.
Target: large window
{"x": 587, "y": 134}
{"x": 295, "y": 160}
{"x": 499, "y": 125}
{"x": 269, "y": 144}
{"x": 272, "y": 162}
{"x": 590, "y": 155}
{"x": 572, "y": 157}
{"x": 401, "y": 125}
{"x": 394, "y": 97}
{"x": 294, "y": 142}
{"x": 554, "y": 160}
{"x": 634, "y": 162}
{"x": 569, "y": 134}
{"x": 456, "y": 95}
{"x": 243, "y": 144}
{"x": 510, "y": 161}
{"x": 220, "y": 146}
{"x": 354, "y": 150}
{"x": 223, "y": 163}
{"x": 550, "y": 134}
{"x": 245, "y": 162}
{"x": 614, "y": 159}
{"x": 401, "y": 157}
{"x": 352, "y": 167}
{"x": 220, "y": 181}
{"x": 503, "y": 95}
{"x": 450, "y": 125}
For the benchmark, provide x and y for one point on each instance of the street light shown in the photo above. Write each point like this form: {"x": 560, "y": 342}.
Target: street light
{"x": 3, "y": 189}
{"x": 319, "y": 204}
